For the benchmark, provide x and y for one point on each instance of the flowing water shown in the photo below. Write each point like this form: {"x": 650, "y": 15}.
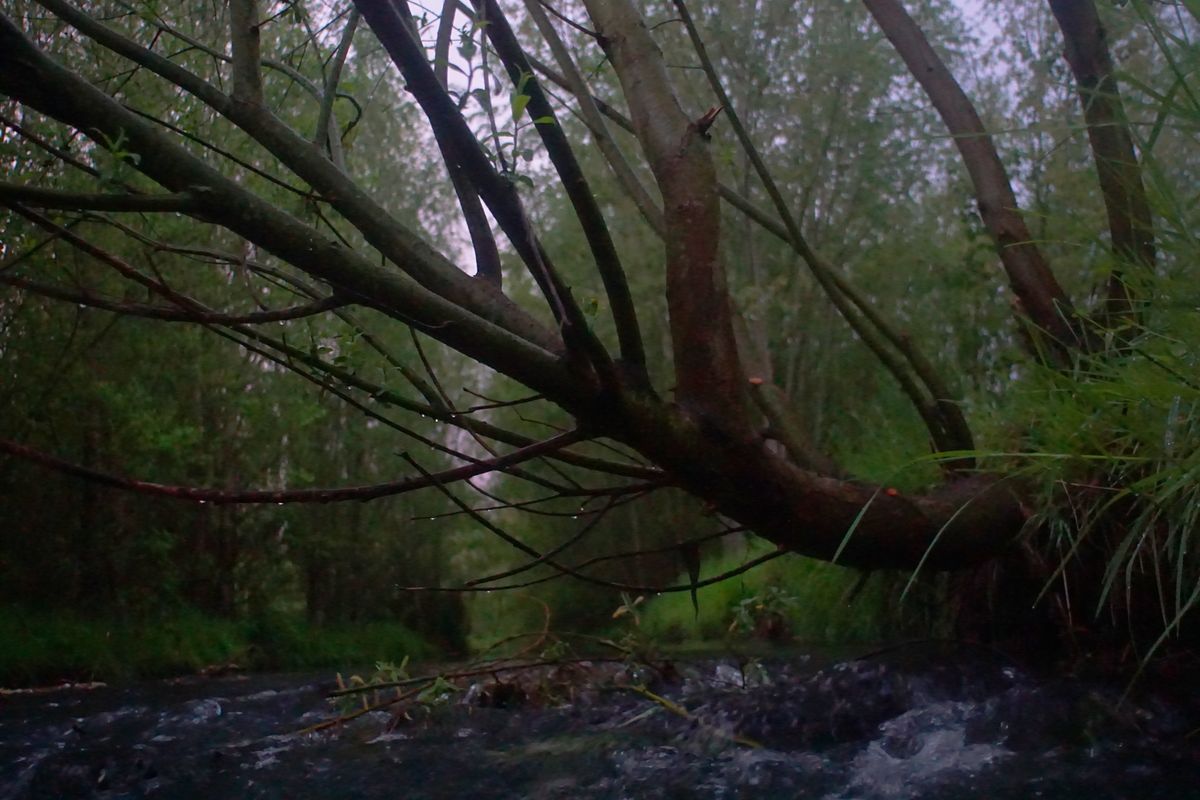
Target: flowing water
{"x": 945, "y": 726}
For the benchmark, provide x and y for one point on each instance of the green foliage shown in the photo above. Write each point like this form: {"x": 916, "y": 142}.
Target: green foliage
{"x": 1111, "y": 447}
{"x": 811, "y": 598}
{"x": 774, "y": 604}
{"x": 286, "y": 642}
{"x": 44, "y": 648}
{"x": 1112, "y": 450}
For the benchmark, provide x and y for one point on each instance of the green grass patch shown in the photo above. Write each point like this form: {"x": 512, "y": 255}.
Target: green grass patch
{"x": 812, "y": 596}
{"x": 41, "y": 647}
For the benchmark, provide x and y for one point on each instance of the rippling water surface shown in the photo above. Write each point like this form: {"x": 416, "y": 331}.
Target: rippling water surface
{"x": 879, "y": 727}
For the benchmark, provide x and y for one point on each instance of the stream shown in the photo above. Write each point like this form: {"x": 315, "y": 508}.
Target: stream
{"x": 894, "y": 725}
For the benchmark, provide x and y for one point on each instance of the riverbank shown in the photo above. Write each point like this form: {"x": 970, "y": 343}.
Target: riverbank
{"x": 41, "y": 648}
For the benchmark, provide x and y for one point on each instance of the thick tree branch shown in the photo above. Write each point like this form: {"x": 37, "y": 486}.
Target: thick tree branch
{"x": 943, "y": 418}
{"x": 708, "y": 373}
{"x": 938, "y": 408}
{"x": 1040, "y": 296}
{"x": 1129, "y": 220}
{"x": 247, "y": 51}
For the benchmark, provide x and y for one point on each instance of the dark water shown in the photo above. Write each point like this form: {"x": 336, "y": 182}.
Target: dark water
{"x": 893, "y": 726}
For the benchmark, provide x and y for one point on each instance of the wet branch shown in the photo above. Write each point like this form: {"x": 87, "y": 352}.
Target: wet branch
{"x": 943, "y": 419}
{"x": 391, "y": 26}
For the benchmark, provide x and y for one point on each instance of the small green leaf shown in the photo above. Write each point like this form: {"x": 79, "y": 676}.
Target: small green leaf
{"x": 518, "y": 104}
{"x": 547, "y": 120}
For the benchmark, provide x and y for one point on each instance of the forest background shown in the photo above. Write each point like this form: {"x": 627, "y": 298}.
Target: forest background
{"x": 97, "y": 580}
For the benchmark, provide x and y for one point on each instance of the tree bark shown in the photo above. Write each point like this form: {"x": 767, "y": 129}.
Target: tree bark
{"x": 1130, "y": 224}
{"x": 709, "y": 379}
{"x": 1040, "y": 296}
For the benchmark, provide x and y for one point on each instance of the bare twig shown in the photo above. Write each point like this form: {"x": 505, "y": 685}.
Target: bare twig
{"x": 167, "y": 314}
{"x": 327, "y": 134}
{"x": 322, "y": 495}
{"x": 441, "y": 48}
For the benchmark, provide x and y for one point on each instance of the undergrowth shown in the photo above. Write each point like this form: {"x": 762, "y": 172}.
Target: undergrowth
{"x": 40, "y": 647}
{"x": 793, "y": 598}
